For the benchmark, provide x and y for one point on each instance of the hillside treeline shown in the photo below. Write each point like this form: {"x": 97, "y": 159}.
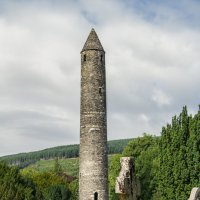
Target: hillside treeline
{"x": 168, "y": 167}
{"x": 69, "y": 151}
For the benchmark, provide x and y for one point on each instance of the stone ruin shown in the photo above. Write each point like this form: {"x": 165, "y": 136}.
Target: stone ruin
{"x": 127, "y": 185}
{"x": 195, "y": 194}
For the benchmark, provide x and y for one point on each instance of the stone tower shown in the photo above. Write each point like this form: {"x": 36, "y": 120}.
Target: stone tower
{"x": 93, "y": 172}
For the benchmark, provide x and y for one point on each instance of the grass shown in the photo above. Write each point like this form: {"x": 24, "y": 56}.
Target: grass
{"x": 69, "y": 165}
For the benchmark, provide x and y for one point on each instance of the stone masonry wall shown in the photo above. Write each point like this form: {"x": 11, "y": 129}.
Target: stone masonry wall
{"x": 195, "y": 194}
{"x": 93, "y": 131}
{"x": 127, "y": 185}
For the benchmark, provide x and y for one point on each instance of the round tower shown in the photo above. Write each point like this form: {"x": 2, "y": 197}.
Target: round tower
{"x": 93, "y": 171}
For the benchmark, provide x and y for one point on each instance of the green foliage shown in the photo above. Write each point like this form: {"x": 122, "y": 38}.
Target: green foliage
{"x": 114, "y": 170}
{"x": 50, "y": 184}
{"x": 57, "y": 167}
{"x": 22, "y": 160}
{"x": 70, "y": 166}
{"x": 14, "y": 186}
{"x": 73, "y": 187}
{"x": 167, "y": 167}
{"x": 58, "y": 192}
{"x": 179, "y": 157}
{"x": 139, "y": 145}
{"x": 145, "y": 151}
{"x": 117, "y": 146}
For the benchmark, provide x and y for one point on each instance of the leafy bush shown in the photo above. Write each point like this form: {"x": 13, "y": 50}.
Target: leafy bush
{"x": 14, "y": 186}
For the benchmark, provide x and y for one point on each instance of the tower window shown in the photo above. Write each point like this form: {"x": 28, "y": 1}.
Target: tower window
{"x": 84, "y": 58}
{"x": 101, "y": 58}
{"x": 100, "y": 90}
{"x": 95, "y": 196}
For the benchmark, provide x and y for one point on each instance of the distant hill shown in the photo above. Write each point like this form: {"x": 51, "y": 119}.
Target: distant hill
{"x": 68, "y": 151}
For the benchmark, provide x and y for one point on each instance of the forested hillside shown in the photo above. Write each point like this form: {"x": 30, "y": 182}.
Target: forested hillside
{"x": 69, "y": 151}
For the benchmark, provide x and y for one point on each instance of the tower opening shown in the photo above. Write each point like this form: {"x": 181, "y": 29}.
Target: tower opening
{"x": 100, "y": 90}
{"x": 101, "y": 58}
{"x": 84, "y": 58}
{"x": 96, "y": 196}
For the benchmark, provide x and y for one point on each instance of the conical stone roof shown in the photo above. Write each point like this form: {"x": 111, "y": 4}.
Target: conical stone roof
{"x": 92, "y": 42}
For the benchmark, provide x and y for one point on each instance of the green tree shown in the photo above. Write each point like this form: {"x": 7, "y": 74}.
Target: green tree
{"x": 73, "y": 187}
{"x": 114, "y": 170}
{"x": 145, "y": 151}
{"x": 57, "y": 167}
{"x": 179, "y": 156}
{"x": 16, "y": 187}
{"x": 58, "y": 192}
{"x": 49, "y": 183}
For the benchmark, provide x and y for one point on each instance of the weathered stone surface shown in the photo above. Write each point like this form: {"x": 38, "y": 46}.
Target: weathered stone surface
{"x": 93, "y": 42}
{"x": 127, "y": 186}
{"x": 93, "y": 171}
{"x": 195, "y": 194}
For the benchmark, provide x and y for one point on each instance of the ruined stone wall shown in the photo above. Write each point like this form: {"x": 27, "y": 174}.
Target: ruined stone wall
{"x": 93, "y": 131}
{"x": 195, "y": 194}
{"x": 127, "y": 185}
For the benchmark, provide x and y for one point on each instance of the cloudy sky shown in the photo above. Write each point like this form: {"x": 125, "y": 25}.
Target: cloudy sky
{"x": 152, "y": 60}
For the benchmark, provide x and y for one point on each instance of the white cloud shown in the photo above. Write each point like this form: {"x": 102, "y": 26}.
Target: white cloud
{"x": 144, "y": 118}
{"x": 160, "y": 98}
{"x": 152, "y": 60}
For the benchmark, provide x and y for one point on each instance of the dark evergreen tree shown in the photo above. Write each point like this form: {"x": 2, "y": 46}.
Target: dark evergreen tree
{"x": 58, "y": 192}
{"x": 14, "y": 186}
{"x": 179, "y": 157}
{"x": 57, "y": 167}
